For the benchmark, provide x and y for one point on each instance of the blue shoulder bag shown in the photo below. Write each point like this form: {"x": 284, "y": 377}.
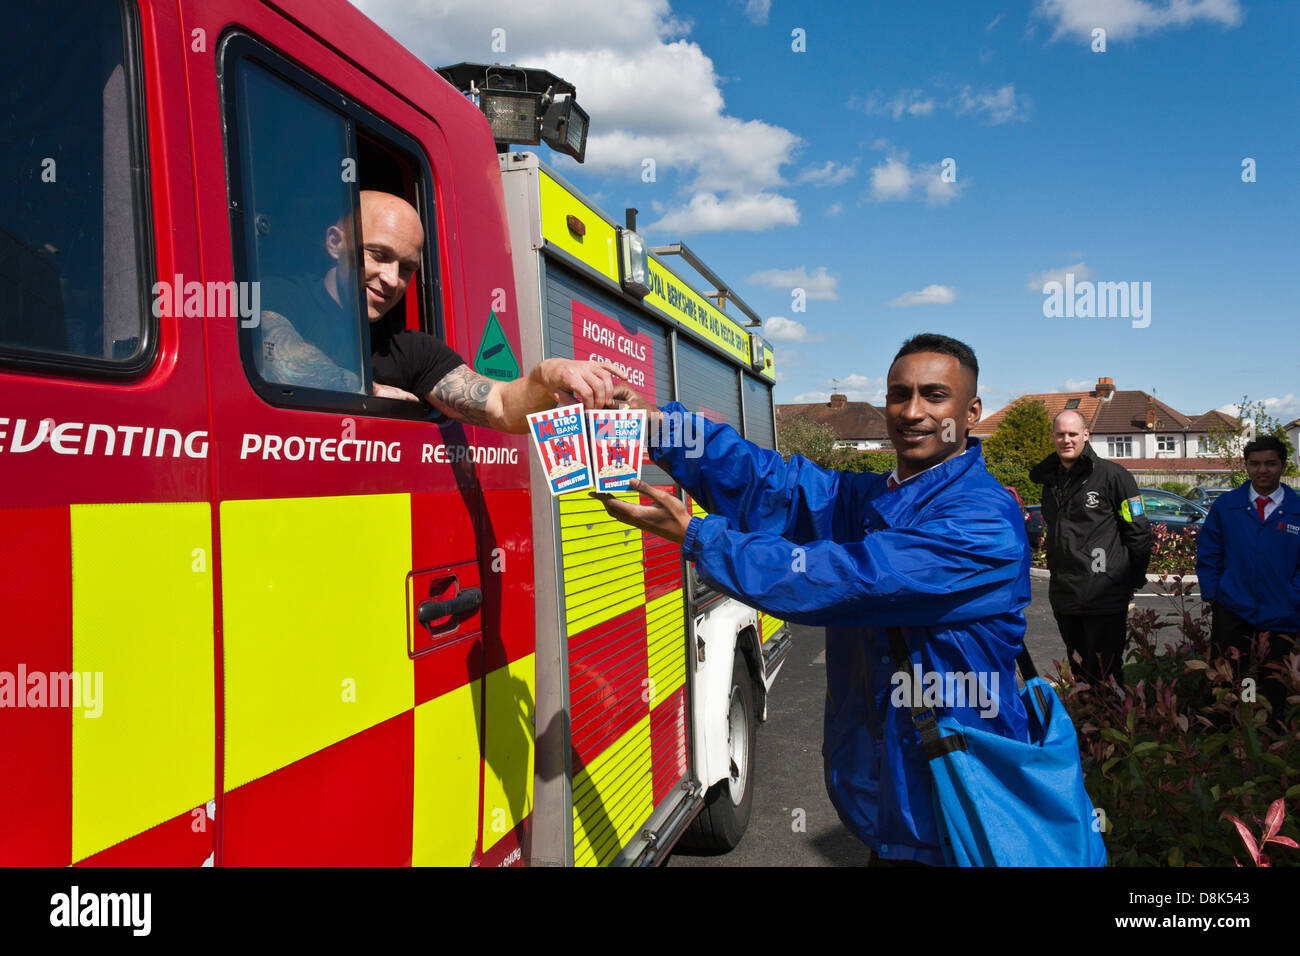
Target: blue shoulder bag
{"x": 1003, "y": 802}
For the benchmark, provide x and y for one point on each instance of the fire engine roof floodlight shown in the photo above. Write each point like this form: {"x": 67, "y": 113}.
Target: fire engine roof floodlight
{"x": 523, "y": 106}
{"x": 512, "y": 114}
{"x": 564, "y": 128}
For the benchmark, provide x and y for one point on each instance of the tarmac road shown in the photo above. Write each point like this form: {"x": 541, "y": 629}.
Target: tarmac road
{"x": 793, "y": 822}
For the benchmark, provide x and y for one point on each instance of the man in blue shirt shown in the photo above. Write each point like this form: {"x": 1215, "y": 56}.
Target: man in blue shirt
{"x": 1248, "y": 563}
{"x": 937, "y": 549}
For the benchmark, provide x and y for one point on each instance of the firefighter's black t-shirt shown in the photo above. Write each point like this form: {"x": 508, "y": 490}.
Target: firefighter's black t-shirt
{"x": 409, "y": 359}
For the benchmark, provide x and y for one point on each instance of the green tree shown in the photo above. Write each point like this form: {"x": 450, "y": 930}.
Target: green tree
{"x": 1021, "y": 441}
{"x": 814, "y": 441}
{"x": 1225, "y": 442}
{"x": 881, "y": 462}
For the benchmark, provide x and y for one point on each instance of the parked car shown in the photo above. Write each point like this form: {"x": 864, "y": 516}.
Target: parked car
{"x": 1161, "y": 507}
{"x": 1171, "y": 510}
{"x": 1204, "y": 495}
{"x": 1035, "y": 527}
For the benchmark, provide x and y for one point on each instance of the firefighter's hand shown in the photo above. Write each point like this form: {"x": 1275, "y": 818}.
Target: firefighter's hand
{"x": 665, "y": 516}
{"x": 591, "y": 383}
{"x": 389, "y": 391}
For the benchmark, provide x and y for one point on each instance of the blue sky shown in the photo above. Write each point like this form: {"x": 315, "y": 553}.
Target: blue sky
{"x": 823, "y": 170}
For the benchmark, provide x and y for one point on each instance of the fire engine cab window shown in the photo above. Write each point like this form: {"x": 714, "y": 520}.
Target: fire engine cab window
{"x": 301, "y": 228}
{"x": 71, "y": 294}
{"x": 326, "y": 216}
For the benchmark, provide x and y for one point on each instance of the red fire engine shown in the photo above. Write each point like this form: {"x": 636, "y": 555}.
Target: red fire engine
{"x": 249, "y": 621}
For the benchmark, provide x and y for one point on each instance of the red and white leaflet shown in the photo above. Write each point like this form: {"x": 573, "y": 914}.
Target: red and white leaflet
{"x": 618, "y": 444}
{"x": 560, "y": 437}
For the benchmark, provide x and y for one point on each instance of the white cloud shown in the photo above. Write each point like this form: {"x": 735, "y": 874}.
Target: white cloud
{"x": 448, "y": 31}
{"x": 834, "y": 209}
{"x": 856, "y": 381}
{"x": 938, "y": 190}
{"x": 858, "y": 388}
{"x": 1125, "y": 19}
{"x": 903, "y": 103}
{"x": 1285, "y": 409}
{"x": 829, "y": 174}
{"x": 930, "y": 295}
{"x": 1076, "y": 385}
{"x": 996, "y": 20}
{"x": 1037, "y": 280}
{"x": 780, "y": 329}
{"x": 651, "y": 92}
{"x": 708, "y": 213}
{"x": 756, "y": 11}
{"x": 820, "y": 285}
{"x": 993, "y": 107}
{"x": 893, "y": 179}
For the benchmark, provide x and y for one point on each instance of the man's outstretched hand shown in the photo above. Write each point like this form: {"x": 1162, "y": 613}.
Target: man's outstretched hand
{"x": 592, "y": 383}
{"x": 665, "y": 516}
{"x": 625, "y": 396}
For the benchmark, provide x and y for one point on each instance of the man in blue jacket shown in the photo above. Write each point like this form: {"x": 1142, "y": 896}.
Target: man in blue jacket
{"x": 938, "y": 549}
{"x": 1248, "y": 563}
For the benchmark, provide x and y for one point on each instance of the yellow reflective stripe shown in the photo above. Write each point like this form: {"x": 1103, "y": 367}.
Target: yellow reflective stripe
{"x": 612, "y": 797}
{"x": 142, "y": 617}
{"x": 666, "y": 645}
{"x": 315, "y": 624}
{"x": 769, "y": 625}
{"x": 590, "y": 613}
{"x": 445, "y": 825}
{"x": 603, "y": 563}
{"x": 508, "y": 768}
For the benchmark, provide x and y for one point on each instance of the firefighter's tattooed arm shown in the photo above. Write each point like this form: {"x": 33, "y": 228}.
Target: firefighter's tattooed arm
{"x": 288, "y": 358}
{"x": 463, "y": 394}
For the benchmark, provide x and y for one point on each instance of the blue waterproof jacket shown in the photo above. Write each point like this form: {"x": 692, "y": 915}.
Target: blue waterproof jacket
{"x": 1252, "y": 568}
{"x": 944, "y": 556}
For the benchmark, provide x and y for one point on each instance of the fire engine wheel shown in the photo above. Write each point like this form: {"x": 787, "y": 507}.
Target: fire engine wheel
{"x": 727, "y": 805}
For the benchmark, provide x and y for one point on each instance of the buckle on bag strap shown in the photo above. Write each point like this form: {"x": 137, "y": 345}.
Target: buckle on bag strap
{"x": 924, "y": 718}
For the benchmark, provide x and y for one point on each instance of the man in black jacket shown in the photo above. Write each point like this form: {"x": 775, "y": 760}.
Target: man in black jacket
{"x": 1098, "y": 547}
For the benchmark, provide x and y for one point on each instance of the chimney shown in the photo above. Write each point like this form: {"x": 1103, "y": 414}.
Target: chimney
{"x": 1151, "y": 413}
{"x": 839, "y": 401}
{"x": 1105, "y": 389}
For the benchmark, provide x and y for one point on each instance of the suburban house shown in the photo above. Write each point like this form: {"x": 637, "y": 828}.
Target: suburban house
{"x": 1134, "y": 428}
{"x": 857, "y": 425}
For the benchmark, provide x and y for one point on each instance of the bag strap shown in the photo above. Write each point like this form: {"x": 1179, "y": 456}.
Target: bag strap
{"x": 923, "y": 718}
{"x": 1029, "y": 672}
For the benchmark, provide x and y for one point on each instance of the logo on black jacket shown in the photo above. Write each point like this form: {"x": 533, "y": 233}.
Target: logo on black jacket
{"x": 1093, "y": 500}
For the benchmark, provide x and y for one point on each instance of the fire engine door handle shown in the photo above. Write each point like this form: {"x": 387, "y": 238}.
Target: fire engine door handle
{"x": 464, "y": 602}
